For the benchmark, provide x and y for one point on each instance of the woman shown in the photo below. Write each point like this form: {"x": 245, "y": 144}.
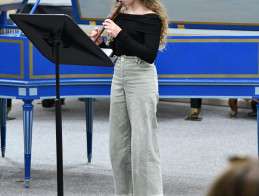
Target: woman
{"x": 137, "y": 32}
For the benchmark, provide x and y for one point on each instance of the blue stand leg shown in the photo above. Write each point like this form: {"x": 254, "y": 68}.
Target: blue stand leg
{"x": 27, "y": 130}
{"x": 89, "y": 126}
{"x": 257, "y": 128}
{"x": 3, "y": 111}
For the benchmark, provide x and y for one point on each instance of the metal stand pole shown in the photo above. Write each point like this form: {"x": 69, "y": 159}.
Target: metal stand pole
{"x": 89, "y": 126}
{"x": 3, "y": 114}
{"x": 58, "y": 126}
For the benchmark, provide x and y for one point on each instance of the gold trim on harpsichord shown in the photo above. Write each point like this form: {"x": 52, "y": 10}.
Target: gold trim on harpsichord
{"x": 212, "y": 40}
{"x": 213, "y": 75}
{"x": 21, "y": 76}
{"x": 210, "y": 76}
{"x": 213, "y": 23}
{"x": 62, "y": 75}
{"x": 31, "y": 60}
{"x": 79, "y": 10}
{"x": 159, "y": 75}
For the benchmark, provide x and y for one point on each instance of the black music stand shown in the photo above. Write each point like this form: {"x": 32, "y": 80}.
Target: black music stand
{"x": 60, "y": 40}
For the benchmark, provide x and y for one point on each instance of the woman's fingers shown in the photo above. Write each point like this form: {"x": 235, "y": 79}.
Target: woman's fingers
{"x": 109, "y": 21}
{"x": 106, "y": 24}
{"x": 95, "y": 31}
{"x": 111, "y": 27}
{"x": 93, "y": 34}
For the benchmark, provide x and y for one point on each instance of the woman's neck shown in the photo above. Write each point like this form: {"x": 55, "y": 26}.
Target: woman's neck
{"x": 137, "y": 8}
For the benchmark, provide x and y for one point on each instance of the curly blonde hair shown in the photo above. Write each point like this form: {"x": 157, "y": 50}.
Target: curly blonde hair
{"x": 157, "y": 7}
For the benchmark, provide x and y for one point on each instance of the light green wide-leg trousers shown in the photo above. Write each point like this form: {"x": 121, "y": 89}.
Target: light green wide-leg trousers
{"x": 134, "y": 150}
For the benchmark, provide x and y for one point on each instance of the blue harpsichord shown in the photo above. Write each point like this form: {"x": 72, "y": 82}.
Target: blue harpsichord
{"x": 219, "y": 61}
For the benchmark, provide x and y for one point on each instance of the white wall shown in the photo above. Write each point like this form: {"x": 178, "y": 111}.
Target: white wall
{"x": 52, "y": 2}
{"x": 230, "y": 11}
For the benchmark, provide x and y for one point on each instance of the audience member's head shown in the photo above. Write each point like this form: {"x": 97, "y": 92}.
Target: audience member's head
{"x": 241, "y": 179}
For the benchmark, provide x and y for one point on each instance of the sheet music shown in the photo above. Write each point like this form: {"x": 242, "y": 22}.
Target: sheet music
{"x": 107, "y": 51}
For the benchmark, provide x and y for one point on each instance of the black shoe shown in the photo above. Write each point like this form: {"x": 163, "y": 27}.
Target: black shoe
{"x": 81, "y": 99}
{"x": 62, "y": 101}
{"x": 10, "y": 118}
{"x": 48, "y": 103}
{"x": 252, "y": 114}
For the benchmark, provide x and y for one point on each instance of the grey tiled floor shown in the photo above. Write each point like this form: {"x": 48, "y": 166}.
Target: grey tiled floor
{"x": 192, "y": 153}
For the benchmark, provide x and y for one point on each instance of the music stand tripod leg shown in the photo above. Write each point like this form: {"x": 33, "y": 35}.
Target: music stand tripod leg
{"x": 3, "y": 113}
{"x": 59, "y": 145}
{"x": 89, "y": 126}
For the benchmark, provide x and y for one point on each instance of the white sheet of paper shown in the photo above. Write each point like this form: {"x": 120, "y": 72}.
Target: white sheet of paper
{"x": 107, "y": 51}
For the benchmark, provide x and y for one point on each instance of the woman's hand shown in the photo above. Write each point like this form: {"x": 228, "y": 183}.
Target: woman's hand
{"x": 94, "y": 34}
{"x": 111, "y": 28}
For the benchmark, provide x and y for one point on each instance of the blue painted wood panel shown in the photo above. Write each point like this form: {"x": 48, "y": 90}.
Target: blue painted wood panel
{"x": 43, "y": 67}
{"x": 11, "y": 55}
{"x": 211, "y": 58}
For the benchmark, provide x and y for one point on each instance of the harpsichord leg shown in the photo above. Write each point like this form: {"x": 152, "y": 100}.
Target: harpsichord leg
{"x": 3, "y": 108}
{"x": 89, "y": 126}
{"x": 257, "y": 127}
{"x": 27, "y": 130}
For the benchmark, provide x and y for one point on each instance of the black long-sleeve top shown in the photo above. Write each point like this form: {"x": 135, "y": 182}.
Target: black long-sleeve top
{"x": 140, "y": 36}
